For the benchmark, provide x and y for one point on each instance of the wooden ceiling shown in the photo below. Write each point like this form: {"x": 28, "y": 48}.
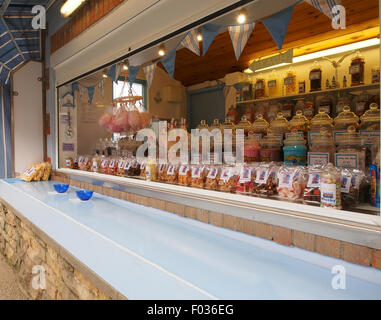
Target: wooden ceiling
{"x": 307, "y": 26}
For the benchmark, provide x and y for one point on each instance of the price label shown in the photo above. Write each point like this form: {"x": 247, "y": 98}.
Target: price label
{"x": 212, "y": 173}
{"x": 345, "y": 184}
{"x": 262, "y": 176}
{"x": 245, "y": 175}
{"x": 346, "y": 160}
{"x": 285, "y": 180}
{"x": 337, "y": 135}
{"x": 311, "y": 135}
{"x": 196, "y": 172}
{"x": 316, "y": 158}
{"x": 355, "y": 69}
{"x": 370, "y": 136}
{"x": 313, "y": 180}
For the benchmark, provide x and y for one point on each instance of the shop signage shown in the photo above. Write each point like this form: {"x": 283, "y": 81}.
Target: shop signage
{"x": 285, "y": 57}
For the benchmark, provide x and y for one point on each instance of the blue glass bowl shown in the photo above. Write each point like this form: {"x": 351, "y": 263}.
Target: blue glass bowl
{"x": 84, "y": 195}
{"x": 61, "y": 187}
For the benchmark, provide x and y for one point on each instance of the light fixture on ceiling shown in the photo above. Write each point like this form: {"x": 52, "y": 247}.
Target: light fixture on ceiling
{"x": 104, "y": 73}
{"x": 248, "y": 70}
{"x": 161, "y": 50}
{"x": 70, "y": 6}
{"x": 199, "y": 35}
{"x": 125, "y": 65}
{"x": 242, "y": 16}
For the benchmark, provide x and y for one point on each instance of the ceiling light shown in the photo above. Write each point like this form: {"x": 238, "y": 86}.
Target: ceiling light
{"x": 199, "y": 35}
{"x": 104, "y": 73}
{"x": 242, "y": 16}
{"x": 125, "y": 65}
{"x": 272, "y": 67}
{"x": 161, "y": 51}
{"x": 70, "y": 6}
{"x": 248, "y": 70}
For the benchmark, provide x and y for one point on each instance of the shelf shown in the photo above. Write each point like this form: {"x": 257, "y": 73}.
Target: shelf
{"x": 368, "y": 87}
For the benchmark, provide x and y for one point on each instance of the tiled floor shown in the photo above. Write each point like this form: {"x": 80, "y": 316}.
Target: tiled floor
{"x": 9, "y": 287}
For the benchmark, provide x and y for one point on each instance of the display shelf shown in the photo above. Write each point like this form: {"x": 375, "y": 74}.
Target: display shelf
{"x": 374, "y": 87}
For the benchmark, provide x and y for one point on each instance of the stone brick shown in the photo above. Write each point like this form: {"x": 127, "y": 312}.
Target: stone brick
{"x": 156, "y": 203}
{"x": 176, "y": 208}
{"x": 328, "y": 247}
{"x": 282, "y": 235}
{"x": 85, "y": 287}
{"x": 230, "y": 222}
{"x": 304, "y": 240}
{"x": 203, "y": 216}
{"x": 263, "y": 230}
{"x": 191, "y": 212}
{"x": 356, "y": 254}
{"x": 131, "y": 197}
{"x": 376, "y": 258}
{"x": 216, "y": 218}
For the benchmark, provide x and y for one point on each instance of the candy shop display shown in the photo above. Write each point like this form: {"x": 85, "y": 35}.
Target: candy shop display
{"x": 251, "y": 148}
{"x": 330, "y": 188}
{"x": 356, "y": 70}
{"x": 261, "y": 108}
{"x": 173, "y": 173}
{"x": 151, "y": 171}
{"x": 280, "y": 125}
{"x": 213, "y": 178}
{"x": 185, "y": 175}
{"x": 245, "y": 125}
{"x": 289, "y": 82}
{"x": 113, "y": 167}
{"x": 199, "y": 174}
{"x": 228, "y": 179}
{"x": 246, "y": 177}
{"x": 360, "y": 103}
{"x": 95, "y": 163}
{"x": 249, "y": 114}
{"x": 132, "y": 168}
{"x": 351, "y": 181}
{"x": 311, "y": 191}
{"x": 270, "y": 148}
{"x": 69, "y": 163}
{"x": 322, "y": 144}
{"x": 287, "y": 109}
{"x": 260, "y": 126}
{"x": 309, "y": 109}
{"x": 260, "y": 87}
{"x": 371, "y": 118}
{"x": 274, "y": 108}
{"x": 232, "y": 115}
{"x": 345, "y": 119}
{"x": 325, "y": 103}
{"x": 295, "y": 150}
{"x": 38, "y": 172}
{"x": 322, "y": 121}
{"x": 291, "y": 182}
{"x": 350, "y": 150}
{"x": 265, "y": 183}
{"x": 300, "y": 123}
{"x": 375, "y": 74}
{"x": 315, "y": 77}
{"x": 85, "y": 164}
{"x": 162, "y": 172}
{"x": 272, "y": 84}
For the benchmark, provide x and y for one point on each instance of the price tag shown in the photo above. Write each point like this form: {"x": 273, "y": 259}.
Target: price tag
{"x": 142, "y": 166}
{"x": 316, "y": 158}
{"x": 313, "y": 180}
{"x": 121, "y": 164}
{"x": 104, "y": 163}
{"x": 370, "y": 136}
{"x": 112, "y": 164}
{"x": 245, "y": 175}
{"x": 212, "y": 173}
{"x": 311, "y": 135}
{"x": 346, "y": 184}
{"x": 183, "y": 170}
{"x": 171, "y": 169}
{"x": 346, "y": 160}
{"x": 337, "y": 135}
{"x": 262, "y": 176}
{"x": 196, "y": 172}
{"x": 161, "y": 168}
{"x": 80, "y": 160}
{"x": 285, "y": 180}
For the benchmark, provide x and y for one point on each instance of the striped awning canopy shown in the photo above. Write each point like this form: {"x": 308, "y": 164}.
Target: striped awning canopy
{"x": 19, "y": 42}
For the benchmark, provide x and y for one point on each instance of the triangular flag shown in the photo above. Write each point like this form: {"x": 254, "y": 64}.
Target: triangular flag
{"x": 118, "y": 71}
{"x": 112, "y": 72}
{"x": 277, "y": 25}
{"x": 90, "y": 91}
{"x": 324, "y": 6}
{"x": 132, "y": 73}
{"x": 190, "y": 42}
{"x": 169, "y": 62}
{"x": 239, "y": 35}
{"x": 209, "y": 32}
{"x": 74, "y": 87}
{"x": 149, "y": 72}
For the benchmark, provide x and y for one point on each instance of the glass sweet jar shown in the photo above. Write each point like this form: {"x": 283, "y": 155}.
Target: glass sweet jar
{"x": 245, "y": 125}
{"x": 260, "y": 87}
{"x": 260, "y": 126}
{"x": 289, "y": 82}
{"x": 270, "y": 148}
{"x": 251, "y": 148}
{"x": 232, "y": 115}
{"x": 356, "y": 70}
{"x": 300, "y": 123}
{"x": 330, "y": 188}
{"x": 322, "y": 121}
{"x": 315, "y": 77}
{"x": 345, "y": 119}
{"x": 351, "y": 143}
{"x": 295, "y": 150}
{"x": 280, "y": 125}
{"x": 371, "y": 118}
{"x": 323, "y": 143}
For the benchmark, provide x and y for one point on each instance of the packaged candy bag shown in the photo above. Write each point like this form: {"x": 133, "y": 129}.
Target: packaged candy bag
{"x": 103, "y": 167}
{"x": 151, "y": 171}
{"x": 185, "y": 175}
{"x": 312, "y": 189}
{"x": 162, "y": 172}
{"x": 247, "y": 175}
{"x": 143, "y": 170}
{"x": 132, "y": 168}
{"x": 173, "y": 174}
{"x": 213, "y": 178}
{"x": 47, "y": 168}
{"x": 120, "y": 168}
{"x": 291, "y": 182}
{"x": 228, "y": 179}
{"x": 265, "y": 183}
{"x": 199, "y": 173}
{"x": 330, "y": 188}
{"x": 112, "y": 167}
{"x": 29, "y": 174}
{"x": 350, "y": 187}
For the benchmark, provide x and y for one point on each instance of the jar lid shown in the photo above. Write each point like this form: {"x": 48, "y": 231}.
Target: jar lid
{"x": 228, "y": 124}
{"x": 372, "y": 115}
{"x": 215, "y": 125}
{"x": 279, "y": 122}
{"x": 294, "y": 138}
{"x": 299, "y": 119}
{"x": 321, "y": 118}
{"x": 202, "y": 125}
{"x": 270, "y": 139}
{"x": 351, "y": 137}
{"x": 260, "y": 123}
{"x": 251, "y": 140}
{"x": 244, "y": 124}
{"x": 315, "y": 66}
{"x": 324, "y": 137}
{"x": 346, "y": 116}
{"x": 358, "y": 56}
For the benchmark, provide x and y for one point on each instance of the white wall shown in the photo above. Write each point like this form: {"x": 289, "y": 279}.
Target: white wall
{"x": 28, "y": 118}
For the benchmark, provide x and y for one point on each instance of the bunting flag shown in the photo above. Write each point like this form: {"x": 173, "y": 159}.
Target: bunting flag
{"x": 169, "y": 62}
{"x": 209, "y": 32}
{"x": 324, "y": 6}
{"x": 90, "y": 91}
{"x": 277, "y": 25}
{"x": 118, "y": 70}
{"x": 74, "y": 87}
{"x": 149, "y": 71}
{"x": 132, "y": 73}
{"x": 239, "y": 35}
{"x": 190, "y": 42}
{"x": 112, "y": 72}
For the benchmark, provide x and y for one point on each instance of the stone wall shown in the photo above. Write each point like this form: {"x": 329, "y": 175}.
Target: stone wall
{"x": 347, "y": 251}
{"x": 25, "y": 247}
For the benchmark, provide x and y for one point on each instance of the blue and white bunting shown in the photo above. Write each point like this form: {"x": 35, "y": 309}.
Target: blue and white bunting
{"x": 190, "y": 42}
{"x": 149, "y": 71}
{"x": 90, "y": 91}
{"x": 277, "y": 25}
{"x": 112, "y": 72}
{"x": 132, "y": 73}
{"x": 74, "y": 87}
{"x": 209, "y": 32}
{"x": 239, "y": 35}
{"x": 169, "y": 62}
{"x": 324, "y": 6}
